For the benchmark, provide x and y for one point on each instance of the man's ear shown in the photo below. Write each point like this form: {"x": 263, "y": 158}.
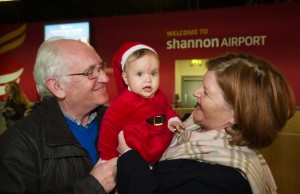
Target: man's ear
{"x": 55, "y": 87}
{"x": 124, "y": 75}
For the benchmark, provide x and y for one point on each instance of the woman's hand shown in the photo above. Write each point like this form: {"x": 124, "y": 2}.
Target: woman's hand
{"x": 122, "y": 147}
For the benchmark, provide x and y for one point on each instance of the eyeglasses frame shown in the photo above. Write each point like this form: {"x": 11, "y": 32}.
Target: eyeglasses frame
{"x": 90, "y": 72}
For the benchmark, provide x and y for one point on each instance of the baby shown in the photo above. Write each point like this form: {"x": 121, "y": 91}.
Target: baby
{"x": 140, "y": 110}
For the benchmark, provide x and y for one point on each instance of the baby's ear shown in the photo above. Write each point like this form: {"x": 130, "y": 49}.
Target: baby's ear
{"x": 124, "y": 75}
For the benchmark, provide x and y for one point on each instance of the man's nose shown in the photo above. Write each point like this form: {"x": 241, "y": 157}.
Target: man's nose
{"x": 103, "y": 77}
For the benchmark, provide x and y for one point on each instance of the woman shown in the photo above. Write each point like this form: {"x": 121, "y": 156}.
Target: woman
{"x": 16, "y": 103}
{"x": 243, "y": 104}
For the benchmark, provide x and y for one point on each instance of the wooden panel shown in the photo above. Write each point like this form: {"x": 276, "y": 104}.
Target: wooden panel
{"x": 182, "y": 111}
{"x": 283, "y": 157}
{"x": 293, "y": 125}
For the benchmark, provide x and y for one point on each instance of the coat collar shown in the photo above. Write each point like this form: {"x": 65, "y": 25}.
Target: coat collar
{"x": 56, "y": 129}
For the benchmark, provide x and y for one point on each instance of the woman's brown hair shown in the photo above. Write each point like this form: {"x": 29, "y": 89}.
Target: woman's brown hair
{"x": 259, "y": 94}
{"x": 16, "y": 94}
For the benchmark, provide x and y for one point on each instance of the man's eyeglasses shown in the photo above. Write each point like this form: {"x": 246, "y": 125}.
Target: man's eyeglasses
{"x": 92, "y": 73}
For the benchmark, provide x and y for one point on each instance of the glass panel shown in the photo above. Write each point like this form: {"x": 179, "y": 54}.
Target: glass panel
{"x": 188, "y": 76}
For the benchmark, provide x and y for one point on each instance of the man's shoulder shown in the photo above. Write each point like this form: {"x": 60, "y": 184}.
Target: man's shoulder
{"x": 23, "y": 133}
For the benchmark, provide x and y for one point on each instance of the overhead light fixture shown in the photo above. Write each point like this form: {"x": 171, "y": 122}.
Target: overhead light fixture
{"x": 196, "y": 62}
{"x": 8, "y": 0}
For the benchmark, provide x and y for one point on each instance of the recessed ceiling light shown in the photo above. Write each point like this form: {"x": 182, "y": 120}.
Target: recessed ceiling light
{"x": 8, "y": 0}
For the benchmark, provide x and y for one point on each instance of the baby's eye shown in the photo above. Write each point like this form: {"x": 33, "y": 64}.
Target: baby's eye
{"x": 154, "y": 73}
{"x": 139, "y": 73}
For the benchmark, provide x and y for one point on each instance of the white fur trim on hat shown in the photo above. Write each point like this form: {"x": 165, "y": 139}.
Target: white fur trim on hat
{"x": 132, "y": 50}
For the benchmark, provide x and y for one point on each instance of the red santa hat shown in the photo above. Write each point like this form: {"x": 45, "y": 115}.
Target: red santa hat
{"x": 120, "y": 58}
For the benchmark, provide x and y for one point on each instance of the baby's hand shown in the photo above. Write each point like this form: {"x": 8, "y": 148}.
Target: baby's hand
{"x": 177, "y": 126}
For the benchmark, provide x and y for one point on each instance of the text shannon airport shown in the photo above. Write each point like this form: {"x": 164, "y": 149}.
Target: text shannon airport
{"x": 216, "y": 42}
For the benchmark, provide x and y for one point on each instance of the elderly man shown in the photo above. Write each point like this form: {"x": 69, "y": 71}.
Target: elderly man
{"x": 53, "y": 149}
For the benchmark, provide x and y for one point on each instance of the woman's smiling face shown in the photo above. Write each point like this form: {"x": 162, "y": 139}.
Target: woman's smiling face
{"x": 212, "y": 111}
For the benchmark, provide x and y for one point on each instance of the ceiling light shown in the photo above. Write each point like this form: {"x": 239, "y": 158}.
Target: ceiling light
{"x": 8, "y": 0}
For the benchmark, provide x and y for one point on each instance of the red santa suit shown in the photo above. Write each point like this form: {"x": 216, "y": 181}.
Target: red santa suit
{"x": 144, "y": 121}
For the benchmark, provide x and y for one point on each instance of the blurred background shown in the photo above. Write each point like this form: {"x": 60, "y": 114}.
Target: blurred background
{"x": 18, "y": 11}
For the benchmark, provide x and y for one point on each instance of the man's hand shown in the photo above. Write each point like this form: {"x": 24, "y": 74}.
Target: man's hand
{"x": 105, "y": 173}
